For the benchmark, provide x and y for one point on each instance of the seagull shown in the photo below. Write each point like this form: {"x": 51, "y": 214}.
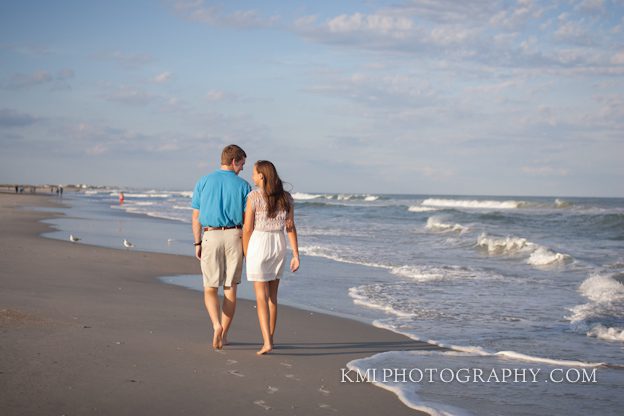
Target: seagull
{"x": 73, "y": 239}
{"x": 127, "y": 244}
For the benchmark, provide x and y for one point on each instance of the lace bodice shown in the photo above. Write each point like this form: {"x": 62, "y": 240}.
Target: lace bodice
{"x": 262, "y": 221}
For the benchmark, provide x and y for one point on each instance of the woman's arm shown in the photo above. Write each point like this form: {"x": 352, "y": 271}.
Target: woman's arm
{"x": 292, "y": 238}
{"x": 248, "y": 225}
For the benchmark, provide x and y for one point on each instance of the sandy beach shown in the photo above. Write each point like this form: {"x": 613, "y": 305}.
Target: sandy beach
{"x": 87, "y": 329}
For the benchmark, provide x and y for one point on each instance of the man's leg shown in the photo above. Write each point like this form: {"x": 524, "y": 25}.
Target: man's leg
{"x": 229, "y": 307}
{"x": 211, "y": 299}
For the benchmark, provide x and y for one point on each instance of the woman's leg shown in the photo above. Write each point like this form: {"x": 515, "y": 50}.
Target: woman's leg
{"x": 262, "y": 294}
{"x": 273, "y": 286}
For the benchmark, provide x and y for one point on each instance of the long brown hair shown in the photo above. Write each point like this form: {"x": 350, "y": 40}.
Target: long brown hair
{"x": 274, "y": 194}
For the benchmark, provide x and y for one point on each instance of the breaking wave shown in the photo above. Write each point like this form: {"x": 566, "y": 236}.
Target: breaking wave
{"x": 460, "y": 203}
{"x": 436, "y": 224}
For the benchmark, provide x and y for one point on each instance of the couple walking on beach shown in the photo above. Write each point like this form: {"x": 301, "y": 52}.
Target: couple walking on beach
{"x": 237, "y": 222}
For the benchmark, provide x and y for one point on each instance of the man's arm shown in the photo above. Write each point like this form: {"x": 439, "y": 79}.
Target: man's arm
{"x": 197, "y": 229}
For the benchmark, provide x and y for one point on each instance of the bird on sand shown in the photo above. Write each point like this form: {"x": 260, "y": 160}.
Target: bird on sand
{"x": 127, "y": 244}
{"x": 73, "y": 239}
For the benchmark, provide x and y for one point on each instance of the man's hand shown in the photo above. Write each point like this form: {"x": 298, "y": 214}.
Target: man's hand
{"x": 198, "y": 252}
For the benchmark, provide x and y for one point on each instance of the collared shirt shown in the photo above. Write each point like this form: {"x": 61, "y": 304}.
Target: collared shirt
{"x": 220, "y": 198}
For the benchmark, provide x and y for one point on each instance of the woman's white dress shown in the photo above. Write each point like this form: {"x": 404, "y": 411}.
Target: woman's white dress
{"x": 266, "y": 251}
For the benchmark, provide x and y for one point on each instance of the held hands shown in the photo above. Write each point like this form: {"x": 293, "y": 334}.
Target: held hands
{"x": 294, "y": 264}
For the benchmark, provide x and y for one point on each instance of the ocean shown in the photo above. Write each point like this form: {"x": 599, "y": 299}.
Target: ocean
{"x": 502, "y": 282}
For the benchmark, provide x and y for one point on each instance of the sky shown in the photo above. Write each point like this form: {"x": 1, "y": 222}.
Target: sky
{"x": 477, "y": 97}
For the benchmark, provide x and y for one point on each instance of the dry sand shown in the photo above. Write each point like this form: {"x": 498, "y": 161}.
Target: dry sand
{"x": 91, "y": 330}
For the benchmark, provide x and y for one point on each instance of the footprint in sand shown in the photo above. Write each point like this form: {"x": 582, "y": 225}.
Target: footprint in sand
{"x": 323, "y": 390}
{"x": 230, "y": 362}
{"x": 286, "y": 365}
{"x": 272, "y": 390}
{"x": 262, "y": 404}
{"x": 292, "y": 377}
{"x": 235, "y": 373}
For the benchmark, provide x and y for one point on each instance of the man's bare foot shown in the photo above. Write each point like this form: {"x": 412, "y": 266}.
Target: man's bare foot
{"x": 265, "y": 349}
{"x": 224, "y": 339}
{"x": 217, "y": 339}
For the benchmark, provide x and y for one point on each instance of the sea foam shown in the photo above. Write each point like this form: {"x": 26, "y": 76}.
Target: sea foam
{"x": 418, "y": 208}
{"x": 510, "y": 245}
{"x": 460, "y": 203}
{"x": 435, "y": 224}
{"x": 304, "y": 197}
{"x": 606, "y": 303}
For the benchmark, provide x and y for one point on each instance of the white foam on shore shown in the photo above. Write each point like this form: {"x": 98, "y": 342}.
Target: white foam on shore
{"x": 476, "y": 204}
{"x": 359, "y": 298}
{"x": 435, "y": 224}
{"x": 415, "y": 272}
{"x": 330, "y": 253}
{"x": 479, "y": 351}
{"x": 406, "y": 392}
{"x": 371, "y": 198}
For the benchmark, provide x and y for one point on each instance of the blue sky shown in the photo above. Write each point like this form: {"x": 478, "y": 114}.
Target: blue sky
{"x": 436, "y": 97}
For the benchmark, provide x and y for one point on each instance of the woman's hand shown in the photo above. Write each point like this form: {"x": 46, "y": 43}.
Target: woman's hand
{"x": 294, "y": 264}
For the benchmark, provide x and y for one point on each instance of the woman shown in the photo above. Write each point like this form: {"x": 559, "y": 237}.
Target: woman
{"x": 269, "y": 210}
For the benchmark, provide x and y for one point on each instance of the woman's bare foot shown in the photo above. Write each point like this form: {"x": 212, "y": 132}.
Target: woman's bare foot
{"x": 217, "y": 339}
{"x": 265, "y": 349}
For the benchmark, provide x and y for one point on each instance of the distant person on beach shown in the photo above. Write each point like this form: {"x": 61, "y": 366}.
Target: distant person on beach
{"x": 16, "y": 188}
{"x": 121, "y": 198}
{"x": 269, "y": 210}
{"x": 218, "y": 206}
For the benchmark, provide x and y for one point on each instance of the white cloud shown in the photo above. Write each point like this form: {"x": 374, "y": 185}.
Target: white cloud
{"x": 162, "y": 78}
{"x": 376, "y": 23}
{"x": 196, "y": 10}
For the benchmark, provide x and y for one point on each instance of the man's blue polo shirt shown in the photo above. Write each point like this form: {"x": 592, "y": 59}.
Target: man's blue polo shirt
{"x": 220, "y": 198}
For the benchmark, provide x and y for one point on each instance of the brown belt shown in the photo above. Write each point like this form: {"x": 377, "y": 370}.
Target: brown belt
{"x": 240, "y": 227}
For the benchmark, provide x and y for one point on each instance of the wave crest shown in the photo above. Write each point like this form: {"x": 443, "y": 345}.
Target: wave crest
{"x": 460, "y": 203}
{"x": 436, "y": 224}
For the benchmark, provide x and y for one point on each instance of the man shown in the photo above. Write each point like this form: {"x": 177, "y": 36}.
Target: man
{"x": 218, "y": 207}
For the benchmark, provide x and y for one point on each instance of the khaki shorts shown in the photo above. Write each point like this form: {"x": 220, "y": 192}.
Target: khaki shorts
{"x": 222, "y": 257}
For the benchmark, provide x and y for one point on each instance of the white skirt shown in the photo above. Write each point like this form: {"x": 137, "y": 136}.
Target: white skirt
{"x": 266, "y": 254}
